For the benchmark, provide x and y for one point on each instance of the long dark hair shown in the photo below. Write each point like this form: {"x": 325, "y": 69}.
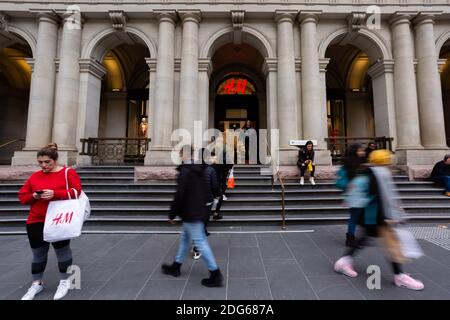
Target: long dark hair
{"x": 352, "y": 161}
{"x": 51, "y": 151}
{"x": 309, "y": 142}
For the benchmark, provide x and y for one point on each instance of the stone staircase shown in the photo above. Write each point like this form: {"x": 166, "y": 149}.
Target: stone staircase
{"x": 119, "y": 205}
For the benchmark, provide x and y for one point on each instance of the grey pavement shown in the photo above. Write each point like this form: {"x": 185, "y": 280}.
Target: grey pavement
{"x": 257, "y": 266}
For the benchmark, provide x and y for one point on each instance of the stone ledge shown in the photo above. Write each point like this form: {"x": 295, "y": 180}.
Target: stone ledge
{"x": 151, "y": 173}
{"x": 8, "y": 173}
{"x": 321, "y": 173}
{"x": 419, "y": 172}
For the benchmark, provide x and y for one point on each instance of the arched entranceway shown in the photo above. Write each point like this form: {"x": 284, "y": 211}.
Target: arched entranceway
{"x": 114, "y": 96}
{"x": 237, "y": 89}
{"x": 15, "y": 79}
{"x": 349, "y": 93}
{"x": 445, "y": 84}
{"x": 360, "y": 89}
{"x": 125, "y": 93}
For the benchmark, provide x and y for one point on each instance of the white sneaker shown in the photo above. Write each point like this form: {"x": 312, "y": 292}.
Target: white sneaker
{"x": 224, "y": 197}
{"x": 63, "y": 288}
{"x": 312, "y": 181}
{"x": 197, "y": 254}
{"x": 302, "y": 181}
{"x": 35, "y": 288}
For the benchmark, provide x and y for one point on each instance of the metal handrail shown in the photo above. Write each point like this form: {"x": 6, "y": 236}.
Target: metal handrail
{"x": 11, "y": 142}
{"x": 283, "y": 209}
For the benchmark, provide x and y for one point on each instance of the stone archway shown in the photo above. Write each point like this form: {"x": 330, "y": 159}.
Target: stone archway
{"x": 15, "y": 79}
{"x": 106, "y": 58}
{"x": 236, "y": 63}
{"x": 444, "y": 57}
{"x": 360, "y": 84}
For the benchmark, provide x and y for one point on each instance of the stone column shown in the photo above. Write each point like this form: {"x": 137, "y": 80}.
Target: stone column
{"x": 408, "y": 130}
{"x": 67, "y": 94}
{"x": 189, "y": 70}
{"x": 313, "y": 89}
{"x": 431, "y": 110}
{"x": 270, "y": 72}
{"x": 40, "y": 110}
{"x": 151, "y": 62}
{"x": 298, "y": 78}
{"x": 286, "y": 86}
{"x": 382, "y": 74}
{"x": 204, "y": 72}
{"x": 161, "y": 145}
{"x": 91, "y": 74}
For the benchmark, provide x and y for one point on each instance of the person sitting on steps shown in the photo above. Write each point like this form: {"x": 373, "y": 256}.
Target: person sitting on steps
{"x": 441, "y": 174}
{"x": 306, "y": 161}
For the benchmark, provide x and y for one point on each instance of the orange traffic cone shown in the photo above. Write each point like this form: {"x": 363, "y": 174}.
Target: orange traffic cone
{"x": 230, "y": 182}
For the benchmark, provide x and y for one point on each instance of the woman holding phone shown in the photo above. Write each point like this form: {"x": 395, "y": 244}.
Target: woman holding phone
{"x": 43, "y": 186}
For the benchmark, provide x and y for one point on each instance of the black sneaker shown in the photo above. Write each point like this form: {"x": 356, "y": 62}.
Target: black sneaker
{"x": 172, "y": 269}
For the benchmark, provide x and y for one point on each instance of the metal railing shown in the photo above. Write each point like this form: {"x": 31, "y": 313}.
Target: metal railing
{"x": 276, "y": 172}
{"x": 3, "y": 145}
{"x": 338, "y": 145}
{"x": 115, "y": 150}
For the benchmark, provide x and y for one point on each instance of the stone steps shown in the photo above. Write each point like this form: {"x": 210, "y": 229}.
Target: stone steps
{"x": 118, "y": 203}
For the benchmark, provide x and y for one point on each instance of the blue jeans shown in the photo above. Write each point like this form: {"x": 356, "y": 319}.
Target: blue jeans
{"x": 353, "y": 221}
{"x": 195, "y": 231}
{"x": 445, "y": 181}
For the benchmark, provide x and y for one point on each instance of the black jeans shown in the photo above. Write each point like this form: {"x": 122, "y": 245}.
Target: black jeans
{"x": 303, "y": 169}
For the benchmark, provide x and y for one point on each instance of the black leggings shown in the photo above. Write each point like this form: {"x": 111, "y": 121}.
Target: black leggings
{"x": 370, "y": 231}
{"x": 39, "y": 247}
{"x": 303, "y": 169}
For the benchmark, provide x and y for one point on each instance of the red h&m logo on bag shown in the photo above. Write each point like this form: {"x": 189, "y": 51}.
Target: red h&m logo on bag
{"x": 62, "y": 218}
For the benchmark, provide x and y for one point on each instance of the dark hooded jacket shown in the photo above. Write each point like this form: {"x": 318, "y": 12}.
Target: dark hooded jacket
{"x": 191, "y": 195}
{"x": 212, "y": 182}
{"x": 440, "y": 169}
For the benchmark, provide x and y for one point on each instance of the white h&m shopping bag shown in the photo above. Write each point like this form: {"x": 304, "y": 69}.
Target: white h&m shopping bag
{"x": 64, "y": 219}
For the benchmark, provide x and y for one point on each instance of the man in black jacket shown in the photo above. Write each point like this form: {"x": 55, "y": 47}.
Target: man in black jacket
{"x": 441, "y": 174}
{"x": 190, "y": 205}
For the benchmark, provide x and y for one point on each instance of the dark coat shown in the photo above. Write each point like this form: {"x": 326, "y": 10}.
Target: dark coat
{"x": 191, "y": 195}
{"x": 303, "y": 155}
{"x": 440, "y": 169}
{"x": 212, "y": 183}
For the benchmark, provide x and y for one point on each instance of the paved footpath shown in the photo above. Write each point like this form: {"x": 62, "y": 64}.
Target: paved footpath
{"x": 288, "y": 265}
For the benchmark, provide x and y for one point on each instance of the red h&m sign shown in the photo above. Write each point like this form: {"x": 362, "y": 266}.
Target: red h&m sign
{"x": 63, "y": 218}
{"x": 235, "y": 86}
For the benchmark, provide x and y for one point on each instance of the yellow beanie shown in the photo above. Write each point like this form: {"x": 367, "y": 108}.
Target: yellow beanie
{"x": 380, "y": 157}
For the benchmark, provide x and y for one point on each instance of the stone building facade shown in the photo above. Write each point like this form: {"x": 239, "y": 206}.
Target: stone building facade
{"x": 73, "y": 70}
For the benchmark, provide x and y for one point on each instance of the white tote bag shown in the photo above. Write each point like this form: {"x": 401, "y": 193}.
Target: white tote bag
{"x": 64, "y": 219}
{"x": 409, "y": 245}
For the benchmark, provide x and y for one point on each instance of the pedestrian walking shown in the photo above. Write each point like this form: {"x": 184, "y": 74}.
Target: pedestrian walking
{"x": 213, "y": 190}
{"x": 382, "y": 214}
{"x": 353, "y": 182}
{"x": 223, "y": 168}
{"x": 190, "y": 204}
{"x": 43, "y": 186}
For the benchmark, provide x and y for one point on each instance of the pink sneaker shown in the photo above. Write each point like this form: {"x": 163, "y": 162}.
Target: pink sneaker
{"x": 404, "y": 280}
{"x": 345, "y": 266}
